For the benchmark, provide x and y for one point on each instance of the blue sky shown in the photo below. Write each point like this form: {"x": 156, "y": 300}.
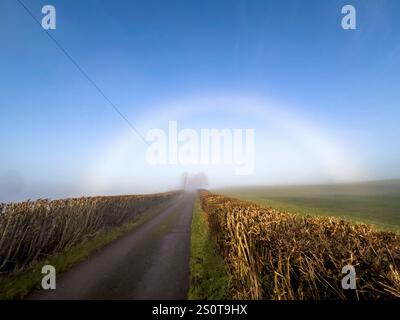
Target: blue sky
{"x": 147, "y": 55}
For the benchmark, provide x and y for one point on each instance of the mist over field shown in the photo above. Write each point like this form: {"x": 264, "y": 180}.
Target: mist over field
{"x": 288, "y": 149}
{"x": 322, "y": 104}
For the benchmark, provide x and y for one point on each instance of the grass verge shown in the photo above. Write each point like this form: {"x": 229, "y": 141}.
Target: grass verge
{"x": 209, "y": 277}
{"x": 18, "y": 285}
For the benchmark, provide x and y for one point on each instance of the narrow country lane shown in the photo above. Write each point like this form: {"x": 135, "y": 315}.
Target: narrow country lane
{"x": 150, "y": 262}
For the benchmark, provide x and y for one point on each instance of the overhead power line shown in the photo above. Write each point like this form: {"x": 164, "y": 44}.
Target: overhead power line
{"x": 84, "y": 73}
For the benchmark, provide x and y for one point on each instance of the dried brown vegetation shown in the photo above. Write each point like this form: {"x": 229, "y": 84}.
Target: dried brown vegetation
{"x": 32, "y": 230}
{"x": 278, "y": 255}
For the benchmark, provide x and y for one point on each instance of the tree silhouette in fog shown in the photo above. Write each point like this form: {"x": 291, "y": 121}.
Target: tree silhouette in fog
{"x": 194, "y": 181}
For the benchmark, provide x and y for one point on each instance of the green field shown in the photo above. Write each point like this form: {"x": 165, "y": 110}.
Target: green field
{"x": 376, "y": 203}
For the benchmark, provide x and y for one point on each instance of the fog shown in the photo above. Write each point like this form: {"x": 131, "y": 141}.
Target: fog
{"x": 288, "y": 148}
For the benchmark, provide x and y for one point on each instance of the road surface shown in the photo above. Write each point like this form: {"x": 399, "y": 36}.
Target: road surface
{"x": 150, "y": 262}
